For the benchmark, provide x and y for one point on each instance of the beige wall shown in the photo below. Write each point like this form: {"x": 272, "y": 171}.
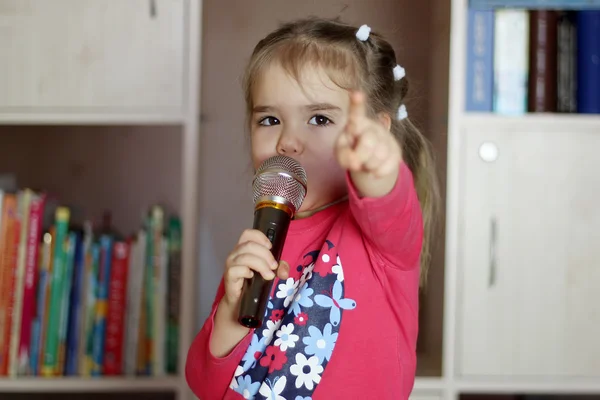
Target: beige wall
{"x": 418, "y": 30}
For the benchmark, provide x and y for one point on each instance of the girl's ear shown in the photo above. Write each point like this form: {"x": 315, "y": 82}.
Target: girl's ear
{"x": 385, "y": 119}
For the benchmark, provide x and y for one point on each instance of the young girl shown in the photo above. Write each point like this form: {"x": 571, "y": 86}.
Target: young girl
{"x": 342, "y": 317}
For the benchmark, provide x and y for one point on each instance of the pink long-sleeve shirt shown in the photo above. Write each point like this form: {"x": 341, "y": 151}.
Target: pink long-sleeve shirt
{"x": 344, "y": 325}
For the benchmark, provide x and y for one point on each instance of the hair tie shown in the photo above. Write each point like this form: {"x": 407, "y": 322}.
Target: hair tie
{"x": 399, "y": 73}
{"x": 402, "y": 113}
{"x": 363, "y": 33}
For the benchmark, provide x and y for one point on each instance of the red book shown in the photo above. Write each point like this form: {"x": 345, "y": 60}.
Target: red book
{"x": 117, "y": 292}
{"x": 34, "y": 233}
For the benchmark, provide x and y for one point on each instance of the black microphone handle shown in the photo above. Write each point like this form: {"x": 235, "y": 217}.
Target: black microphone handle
{"x": 274, "y": 223}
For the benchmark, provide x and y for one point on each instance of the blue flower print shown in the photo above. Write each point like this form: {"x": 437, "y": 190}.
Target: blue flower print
{"x": 246, "y": 387}
{"x": 300, "y": 331}
{"x": 301, "y": 299}
{"x": 272, "y": 390}
{"x": 335, "y": 302}
{"x": 320, "y": 344}
{"x": 255, "y": 349}
{"x": 287, "y": 291}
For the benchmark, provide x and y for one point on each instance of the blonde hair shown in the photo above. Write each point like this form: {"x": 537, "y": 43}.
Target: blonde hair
{"x": 353, "y": 64}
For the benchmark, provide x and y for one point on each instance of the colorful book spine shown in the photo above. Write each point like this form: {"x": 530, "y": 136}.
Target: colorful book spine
{"x": 74, "y": 309}
{"x": 65, "y": 302}
{"x": 158, "y": 320}
{"x": 106, "y": 244}
{"x": 85, "y": 305}
{"x": 9, "y": 242}
{"x": 24, "y": 204}
{"x": 91, "y": 310}
{"x": 149, "y": 297}
{"x": 113, "y": 358}
{"x": 174, "y": 291}
{"x": 58, "y": 277}
{"x": 588, "y": 62}
{"x": 39, "y": 322}
{"x": 537, "y": 4}
{"x": 543, "y": 51}
{"x": 135, "y": 304}
{"x": 566, "y": 63}
{"x": 511, "y": 62}
{"x": 34, "y": 234}
{"x": 480, "y": 61}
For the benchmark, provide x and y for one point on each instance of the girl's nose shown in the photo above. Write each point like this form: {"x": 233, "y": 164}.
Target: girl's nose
{"x": 289, "y": 144}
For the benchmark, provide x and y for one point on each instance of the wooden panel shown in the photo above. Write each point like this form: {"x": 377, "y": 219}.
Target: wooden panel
{"x": 82, "y": 54}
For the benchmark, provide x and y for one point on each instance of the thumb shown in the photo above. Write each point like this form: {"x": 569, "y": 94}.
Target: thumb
{"x": 283, "y": 271}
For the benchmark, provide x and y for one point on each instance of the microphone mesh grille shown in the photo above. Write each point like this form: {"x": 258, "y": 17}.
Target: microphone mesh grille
{"x": 281, "y": 176}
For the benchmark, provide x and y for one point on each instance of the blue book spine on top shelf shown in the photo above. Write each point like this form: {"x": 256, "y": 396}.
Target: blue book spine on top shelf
{"x": 537, "y": 4}
{"x": 588, "y": 62}
{"x": 480, "y": 61}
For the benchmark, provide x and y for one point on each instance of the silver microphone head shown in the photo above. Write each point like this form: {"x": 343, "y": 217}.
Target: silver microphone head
{"x": 280, "y": 179}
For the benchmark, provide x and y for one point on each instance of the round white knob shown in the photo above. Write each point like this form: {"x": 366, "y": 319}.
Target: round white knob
{"x": 488, "y": 152}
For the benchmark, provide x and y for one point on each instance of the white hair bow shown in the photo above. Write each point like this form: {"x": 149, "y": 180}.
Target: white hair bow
{"x": 363, "y": 33}
{"x": 402, "y": 113}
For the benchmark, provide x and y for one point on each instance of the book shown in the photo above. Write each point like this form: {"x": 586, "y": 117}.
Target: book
{"x": 588, "y": 62}
{"x": 543, "y": 68}
{"x": 511, "y": 62}
{"x": 480, "y": 61}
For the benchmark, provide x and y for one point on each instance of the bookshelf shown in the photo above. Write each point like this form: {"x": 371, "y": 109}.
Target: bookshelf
{"x": 518, "y": 261}
{"x": 103, "y": 98}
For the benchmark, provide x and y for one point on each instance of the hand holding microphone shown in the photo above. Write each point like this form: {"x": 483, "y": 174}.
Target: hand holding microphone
{"x": 251, "y": 255}
{"x": 279, "y": 188}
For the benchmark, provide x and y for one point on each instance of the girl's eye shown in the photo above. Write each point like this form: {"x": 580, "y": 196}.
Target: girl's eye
{"x": 268, "y": 121}
{"x": 319, "y": 120}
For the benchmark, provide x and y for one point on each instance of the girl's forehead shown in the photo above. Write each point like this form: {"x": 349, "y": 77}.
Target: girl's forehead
{"x": 312, "y": 80}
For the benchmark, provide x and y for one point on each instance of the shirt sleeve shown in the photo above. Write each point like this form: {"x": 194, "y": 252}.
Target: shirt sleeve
{"x": 208, "y": 376}
{"x": 392, "y": 224}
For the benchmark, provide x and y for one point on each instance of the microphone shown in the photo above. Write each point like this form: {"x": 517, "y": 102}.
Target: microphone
{"x": 279, "y": 188}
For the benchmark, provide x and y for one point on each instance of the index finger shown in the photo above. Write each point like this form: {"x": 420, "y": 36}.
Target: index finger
{"x": 358, "y": 107}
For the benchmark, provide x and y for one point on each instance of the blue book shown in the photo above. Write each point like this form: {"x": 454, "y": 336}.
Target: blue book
{"x": 480, "y": 61}
{"x": 537, "y": 4}
{"x": 106, "y": 243}
{"x": 588, "y": 62}
{"x": 71, "y": 357}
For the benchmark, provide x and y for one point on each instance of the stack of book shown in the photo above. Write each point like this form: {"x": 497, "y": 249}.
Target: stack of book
{"x": 528, "y": 56}
{"x": 83, "y": 300}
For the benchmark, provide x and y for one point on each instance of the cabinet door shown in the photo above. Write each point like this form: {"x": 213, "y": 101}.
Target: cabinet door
{"x": 529, "y": 253}
{"x": 60, "y": 55}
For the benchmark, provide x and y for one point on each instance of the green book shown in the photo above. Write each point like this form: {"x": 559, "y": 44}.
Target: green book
{"x": 50, "y": 363}
{"x": 173, "y": 290}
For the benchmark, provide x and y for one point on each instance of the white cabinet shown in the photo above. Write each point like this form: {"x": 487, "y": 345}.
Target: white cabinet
{"x": 96, "y": 56}
{"x": 424, "y": 396}
{"x": 529, "y": 249}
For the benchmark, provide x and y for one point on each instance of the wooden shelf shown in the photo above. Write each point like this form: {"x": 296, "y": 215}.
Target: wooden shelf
{"x": 538, "y": 121}
{"x": 99, "y": 384}
{"x": 95, "y": 117}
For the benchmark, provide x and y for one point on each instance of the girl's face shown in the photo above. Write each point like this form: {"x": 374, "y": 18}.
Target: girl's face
{"x": 301, "y": 120}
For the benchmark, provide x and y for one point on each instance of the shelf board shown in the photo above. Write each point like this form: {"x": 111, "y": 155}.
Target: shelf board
{"x": 570, "y": 385}
{"x": 92, "y": 116}
{"x": 537, "y": 121}
{"x": 79, "y": 384}
{"x": 536, "y": 4}
{"x": 428, "y": 384}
